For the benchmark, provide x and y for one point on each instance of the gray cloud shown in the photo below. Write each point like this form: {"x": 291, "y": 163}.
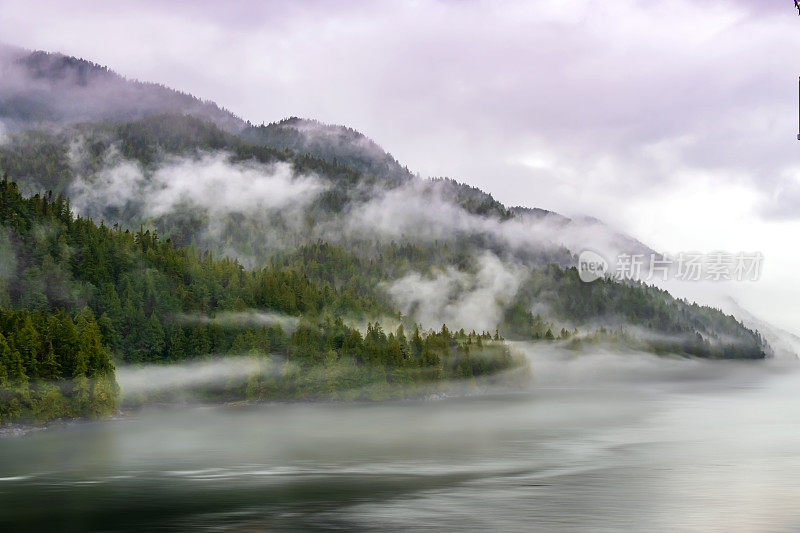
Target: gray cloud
{"x": 626, "y": 93}
{"x": 424, "y": 210}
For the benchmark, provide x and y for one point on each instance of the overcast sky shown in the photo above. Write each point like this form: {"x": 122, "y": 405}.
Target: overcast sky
{"x": 675, "y": 121}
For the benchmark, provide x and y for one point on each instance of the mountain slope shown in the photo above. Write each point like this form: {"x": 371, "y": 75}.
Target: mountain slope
{"x": 327, "y": 202}
{"x": 39, "y": 88}
{"x": 147, "y": 301}
{"x": 335, "y": 144}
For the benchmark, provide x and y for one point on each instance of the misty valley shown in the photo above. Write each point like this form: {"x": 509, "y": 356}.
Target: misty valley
{"x": 208, "y": 324}
{"x": 167, "y": 239}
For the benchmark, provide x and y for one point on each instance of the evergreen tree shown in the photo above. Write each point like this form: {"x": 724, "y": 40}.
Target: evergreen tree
{"x": 27, "y": 342}
{"x": 49, "y": 367}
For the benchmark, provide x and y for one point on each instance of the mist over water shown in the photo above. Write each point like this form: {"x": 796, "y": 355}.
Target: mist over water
{"x": 543, "y": 106}
{"x": 600, "y": 442}
{"x": 154, "y": 378}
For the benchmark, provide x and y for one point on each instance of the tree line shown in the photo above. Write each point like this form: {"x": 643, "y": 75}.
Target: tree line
{"x": 139, "y": 297}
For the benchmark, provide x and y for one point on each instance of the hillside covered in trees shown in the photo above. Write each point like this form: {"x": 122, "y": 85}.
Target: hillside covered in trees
{"x": 74, "y": 292}
{"x": 164, "y": 230}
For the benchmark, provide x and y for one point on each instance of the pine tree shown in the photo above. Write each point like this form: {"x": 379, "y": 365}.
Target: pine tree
{"x": 153, "y": 338}
{"x": 416, "y": 344}
{"x": 66, "y": 346}
{"x": 27, "y": 342}
{"x": 49, "y": 367}
{"x": 11, "y": 362}
{"x": 109, "y": 332}
{"x": 197, "y": 343}
{"x": 175, "y": 347}
{"x": 95, "y": 356}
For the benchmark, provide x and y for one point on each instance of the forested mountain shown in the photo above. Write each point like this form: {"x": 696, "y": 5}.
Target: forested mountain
{"x": 86, "y": 161}
{"x": 164, "y": 237}
{"x": 379, "y": 261}
{"x": 137, "y": 296}
{"x": 613, "y": 240}
{"x": 335, "y": 144}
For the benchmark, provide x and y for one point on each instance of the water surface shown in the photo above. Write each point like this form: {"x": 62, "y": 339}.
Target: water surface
{"x": 597, "y": 444}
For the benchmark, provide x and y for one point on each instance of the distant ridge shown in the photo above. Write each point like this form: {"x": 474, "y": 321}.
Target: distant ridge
{"x": 40, "y": 88}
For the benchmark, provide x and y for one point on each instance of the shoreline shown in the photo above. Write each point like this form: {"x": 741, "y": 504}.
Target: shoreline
{"x": 12, "y": 430}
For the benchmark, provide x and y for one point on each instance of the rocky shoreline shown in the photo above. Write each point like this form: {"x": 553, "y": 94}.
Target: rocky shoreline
{"x": 13, "y": 430}
{"x": 10, "y": 430}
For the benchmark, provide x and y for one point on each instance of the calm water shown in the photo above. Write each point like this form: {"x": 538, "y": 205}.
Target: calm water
{"x": 603, "y": 443}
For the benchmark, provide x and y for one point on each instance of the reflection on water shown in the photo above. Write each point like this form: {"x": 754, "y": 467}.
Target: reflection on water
{"x": 598, "y": 444}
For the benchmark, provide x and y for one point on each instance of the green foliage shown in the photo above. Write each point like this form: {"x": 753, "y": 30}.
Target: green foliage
{"x": 90, "y": 290}
{"x": 53, "y": 365}
{"x": 332, "y": 361}
{"x": 337, "y": 145}
{"x": 669, "y": 325}
{"x": 159, "y": 303}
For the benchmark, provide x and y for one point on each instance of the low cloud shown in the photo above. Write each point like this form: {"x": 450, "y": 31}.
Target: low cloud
{"x": 210, "y": 181}
{"x": 213, "y": 182}
{"x": 273, "y": 201}
{"x": 553, "y": 365}
{"x": 243, "y": 319}
{"x": 175, "y": 378}
{"x": 425, "y": 210}
{"x": 459, "y": 299}
{"x": 203, "y": 192}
